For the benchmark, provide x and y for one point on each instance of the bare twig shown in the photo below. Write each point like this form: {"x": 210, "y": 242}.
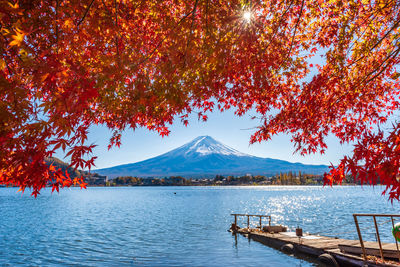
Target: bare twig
{"x": 105, "y": 6}
{"x": 85, "y": 14}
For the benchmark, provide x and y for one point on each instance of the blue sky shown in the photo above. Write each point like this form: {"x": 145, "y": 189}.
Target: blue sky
{"x": 225, "y": 127}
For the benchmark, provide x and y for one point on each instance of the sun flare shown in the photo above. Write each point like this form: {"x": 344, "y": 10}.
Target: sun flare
{"x": 247, "y": 16}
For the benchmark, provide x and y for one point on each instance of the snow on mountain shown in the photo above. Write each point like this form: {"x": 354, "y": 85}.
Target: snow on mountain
{"x": 205, "y": 145}
{"x": 205, "y": 157}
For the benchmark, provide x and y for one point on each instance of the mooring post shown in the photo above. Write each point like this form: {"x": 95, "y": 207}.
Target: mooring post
{"x": 397, "y": 244}
{"x": 235, "y": 219}
{"x": 360, "y": 237}
{"x": 379, "y": 239}
{"x": 248, "y": 222}
{"x": 269, "y": 220}
{"x": 260, "y": 224}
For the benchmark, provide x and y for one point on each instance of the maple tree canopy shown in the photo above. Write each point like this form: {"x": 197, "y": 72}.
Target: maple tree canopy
{"x": 68, "y": 64}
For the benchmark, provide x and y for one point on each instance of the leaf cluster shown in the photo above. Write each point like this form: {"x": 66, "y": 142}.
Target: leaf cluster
{"x": 67, "y": 64}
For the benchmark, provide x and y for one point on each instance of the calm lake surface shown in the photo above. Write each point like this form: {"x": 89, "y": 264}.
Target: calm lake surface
{"x": 152, "y": 226}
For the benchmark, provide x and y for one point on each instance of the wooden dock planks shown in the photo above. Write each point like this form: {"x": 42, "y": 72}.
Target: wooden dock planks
{"x": 371, "y": 248}
{"x": 347, "y": 252}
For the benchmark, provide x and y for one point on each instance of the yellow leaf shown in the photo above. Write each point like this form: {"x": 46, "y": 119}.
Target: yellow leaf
{"x": 44, "y": 77}
{"x": 23, "y": 52}
{"x": 395, "y": 76}
{"x": 5, "y": 31}
{"x": 18, "y": 38}
{"x": 2, "y": 64}
{"x": 68, "y": 23}
{"x": 13, "y": 6}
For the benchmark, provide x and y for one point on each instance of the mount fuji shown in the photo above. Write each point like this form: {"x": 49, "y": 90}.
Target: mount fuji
{"x": 206, "y": 157}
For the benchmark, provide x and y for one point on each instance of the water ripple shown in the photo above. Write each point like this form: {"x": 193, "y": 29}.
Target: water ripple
{"x": 138, "y": 226}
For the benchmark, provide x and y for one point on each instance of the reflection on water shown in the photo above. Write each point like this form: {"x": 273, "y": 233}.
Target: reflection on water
{"x": 149, "y": 226}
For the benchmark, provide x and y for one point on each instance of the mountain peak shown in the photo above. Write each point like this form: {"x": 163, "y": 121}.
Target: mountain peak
{"x": 205, "y": 145}
{"x": 203, "y": 137}
{"x": 205, "y": 156}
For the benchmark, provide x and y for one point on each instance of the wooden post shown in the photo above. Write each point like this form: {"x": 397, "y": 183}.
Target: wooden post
{"x": 248, "y": 221}
{"x": 269, "y": 220}
{"x": 379, "y": 239}
{"x": 397, "y": 245}
{"x": 260, "y": 223}
{"x": 235, "y": 219}
{"x": 360, "y": 237}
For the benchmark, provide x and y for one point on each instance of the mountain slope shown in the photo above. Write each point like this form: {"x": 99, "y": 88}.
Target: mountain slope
{"x": 206, "y": 157}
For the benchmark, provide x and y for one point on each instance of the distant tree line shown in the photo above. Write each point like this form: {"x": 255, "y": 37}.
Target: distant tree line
{"x": 283, "y": 178}
{"x": 288, "y": 178}
{"x": 137, "y": 181}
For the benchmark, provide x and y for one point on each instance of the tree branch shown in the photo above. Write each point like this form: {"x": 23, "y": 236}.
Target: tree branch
{"x": 116, "y": 36}
{"x": 191, "y": 31}
{"x": 162, "y": 41}
{"x": 380, "y": 41}
{"x": 57, "y": 25}
{"x": 279, "y": 22}
{"x": 295, "y": 28}
{"x": 86, "y": 12}
{"x": 364, "y": 80}
{"x": 391, "y": 55}
{"x": 105, "y": 6}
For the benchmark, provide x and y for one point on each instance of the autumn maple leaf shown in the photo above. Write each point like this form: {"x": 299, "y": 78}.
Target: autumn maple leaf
{"x": 17, "y": 38}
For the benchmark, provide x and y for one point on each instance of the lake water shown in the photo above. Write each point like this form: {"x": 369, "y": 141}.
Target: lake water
{"x": 153, "y": 226}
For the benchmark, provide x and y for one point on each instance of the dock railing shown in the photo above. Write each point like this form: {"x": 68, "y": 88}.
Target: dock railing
{"x": 252, "y": 215}
{"x": 374, "y": 216}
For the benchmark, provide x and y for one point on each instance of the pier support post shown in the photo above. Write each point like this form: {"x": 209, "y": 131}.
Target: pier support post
{"x": 397, "y": 245}
{"x": 360, "y": 237}
{"x": 379, "y": 239}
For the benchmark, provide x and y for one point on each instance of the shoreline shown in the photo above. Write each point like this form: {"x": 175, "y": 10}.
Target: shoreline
{"x": 238, "y": 185}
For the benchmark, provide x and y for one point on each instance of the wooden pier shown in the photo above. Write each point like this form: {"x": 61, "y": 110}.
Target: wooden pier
{"x": 329, "y": 250}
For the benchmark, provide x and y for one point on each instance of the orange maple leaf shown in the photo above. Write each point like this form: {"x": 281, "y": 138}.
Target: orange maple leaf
{"x": 17, "y": 38}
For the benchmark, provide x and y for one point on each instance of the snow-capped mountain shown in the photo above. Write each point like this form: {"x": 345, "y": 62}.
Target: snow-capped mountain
{"x": 206, "y": 157}
{"x": 205, "y": 145}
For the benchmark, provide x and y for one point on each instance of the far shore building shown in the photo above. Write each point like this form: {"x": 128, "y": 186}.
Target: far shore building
{"x": 96, "y": 179}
